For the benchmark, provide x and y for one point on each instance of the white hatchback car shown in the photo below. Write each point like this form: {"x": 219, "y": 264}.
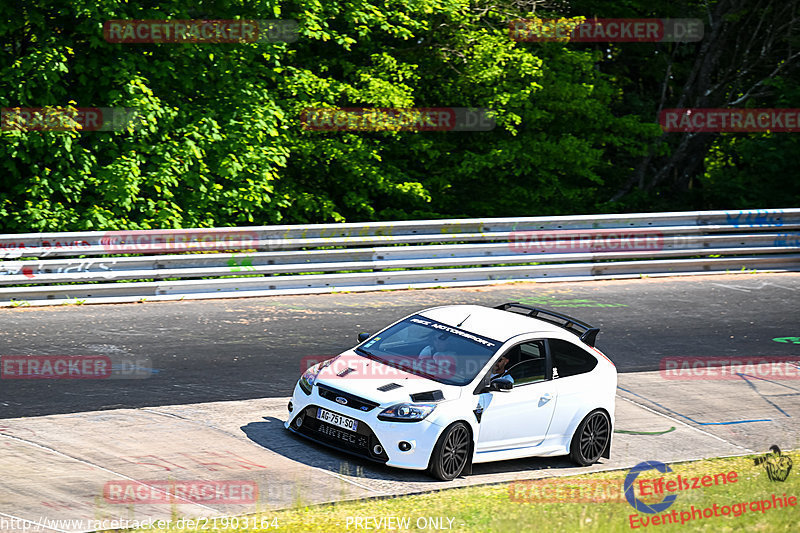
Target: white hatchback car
{"x": 448, "y": 387}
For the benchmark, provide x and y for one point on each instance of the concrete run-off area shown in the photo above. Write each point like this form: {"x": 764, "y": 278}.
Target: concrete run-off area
{"x": 82, "y": 459}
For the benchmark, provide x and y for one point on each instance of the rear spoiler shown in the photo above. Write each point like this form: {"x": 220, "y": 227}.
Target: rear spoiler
{"x": 584, "y": 331}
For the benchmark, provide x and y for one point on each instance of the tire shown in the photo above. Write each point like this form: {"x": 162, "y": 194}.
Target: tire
{"x": 451, "y": 453}
{"x": 591, "y": 438}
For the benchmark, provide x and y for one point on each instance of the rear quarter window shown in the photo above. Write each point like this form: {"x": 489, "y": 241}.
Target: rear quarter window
{"x": 569, "y": 360}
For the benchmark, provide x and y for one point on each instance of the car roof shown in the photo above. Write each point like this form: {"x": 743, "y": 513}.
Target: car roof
{"x": 489, "y": 322}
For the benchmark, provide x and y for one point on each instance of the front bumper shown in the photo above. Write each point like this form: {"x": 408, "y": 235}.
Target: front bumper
{"x": 370, "y": 433}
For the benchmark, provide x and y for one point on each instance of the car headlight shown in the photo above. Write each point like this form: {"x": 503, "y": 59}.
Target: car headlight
{"x": 310, "y": 376}
{"x": 407, "y": 412}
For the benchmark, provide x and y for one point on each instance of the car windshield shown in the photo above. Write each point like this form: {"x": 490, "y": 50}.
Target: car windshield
{"x": 431, "y": 349}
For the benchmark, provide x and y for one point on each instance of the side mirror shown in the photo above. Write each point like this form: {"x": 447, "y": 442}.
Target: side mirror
{"x": 502, "y": 383}
{"x": 363, "y": 336}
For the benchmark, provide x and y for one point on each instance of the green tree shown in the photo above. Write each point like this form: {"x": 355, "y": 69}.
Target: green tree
{"x": 220, "y": 141}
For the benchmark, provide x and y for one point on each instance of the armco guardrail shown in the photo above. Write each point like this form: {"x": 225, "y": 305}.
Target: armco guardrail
{"x": 120, "y": 266}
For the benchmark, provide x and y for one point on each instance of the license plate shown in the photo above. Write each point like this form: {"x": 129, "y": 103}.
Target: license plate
{"x": 336, "y": 419}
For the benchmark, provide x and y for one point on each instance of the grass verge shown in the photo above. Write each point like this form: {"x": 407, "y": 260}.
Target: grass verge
{"x": 520, "y": 506}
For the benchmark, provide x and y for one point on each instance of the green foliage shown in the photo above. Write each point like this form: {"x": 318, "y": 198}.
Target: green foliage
{"x": 219, "y": 141}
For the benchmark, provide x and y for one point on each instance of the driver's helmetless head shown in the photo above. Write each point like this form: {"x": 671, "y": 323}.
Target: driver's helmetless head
{"x": 500, "y": 365}
{"x": 440, "y": 341}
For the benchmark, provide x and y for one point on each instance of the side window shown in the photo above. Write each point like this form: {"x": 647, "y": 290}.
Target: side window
{"x": 569, "y": 360}
{"x": 531, "y": 366}
{"x": 531, "y": 350}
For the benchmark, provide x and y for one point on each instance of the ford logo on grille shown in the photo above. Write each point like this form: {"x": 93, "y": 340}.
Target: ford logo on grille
{"x": 341, "y": 400}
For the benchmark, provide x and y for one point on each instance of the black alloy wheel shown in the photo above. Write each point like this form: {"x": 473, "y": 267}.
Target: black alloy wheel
{"x": 451, "y": 453}
{"x": 590, "y": 439}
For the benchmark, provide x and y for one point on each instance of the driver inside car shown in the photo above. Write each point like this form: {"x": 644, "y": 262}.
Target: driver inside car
{"x": 499, "y": 367}
{"x": 437, "y": 346}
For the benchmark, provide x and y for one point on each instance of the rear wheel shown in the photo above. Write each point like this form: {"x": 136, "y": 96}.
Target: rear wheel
{"x": 590, "y": 439}
{"x": 451, "y": 453}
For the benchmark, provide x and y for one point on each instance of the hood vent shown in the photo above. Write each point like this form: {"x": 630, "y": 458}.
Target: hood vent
{"x": 388, "y": 387}
{"x": 430, "y": 396}
{"x": 346, "y": 371}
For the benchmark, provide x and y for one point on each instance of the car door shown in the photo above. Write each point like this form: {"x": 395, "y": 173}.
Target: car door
{"x": 520, "y": 417}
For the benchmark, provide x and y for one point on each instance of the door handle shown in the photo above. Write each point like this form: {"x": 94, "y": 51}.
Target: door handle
{"x": 546, "y": 397}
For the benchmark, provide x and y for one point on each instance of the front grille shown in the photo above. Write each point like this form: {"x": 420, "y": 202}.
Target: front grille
{"x": 351, "y": 400}
{"x": 360, "y": 442}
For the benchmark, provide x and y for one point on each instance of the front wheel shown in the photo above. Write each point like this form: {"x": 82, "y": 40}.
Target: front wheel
{"x": 590, "y": 439}
{"x": 451, "y": 453}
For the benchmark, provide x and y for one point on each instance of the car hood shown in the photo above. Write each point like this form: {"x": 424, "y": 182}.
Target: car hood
{"x": 385, "y": 384}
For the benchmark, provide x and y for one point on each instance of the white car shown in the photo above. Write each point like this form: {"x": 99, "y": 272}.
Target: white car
{"x": 448, "y": 387}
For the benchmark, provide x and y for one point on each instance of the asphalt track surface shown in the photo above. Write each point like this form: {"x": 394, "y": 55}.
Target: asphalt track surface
{"x": 238, "y": 349}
